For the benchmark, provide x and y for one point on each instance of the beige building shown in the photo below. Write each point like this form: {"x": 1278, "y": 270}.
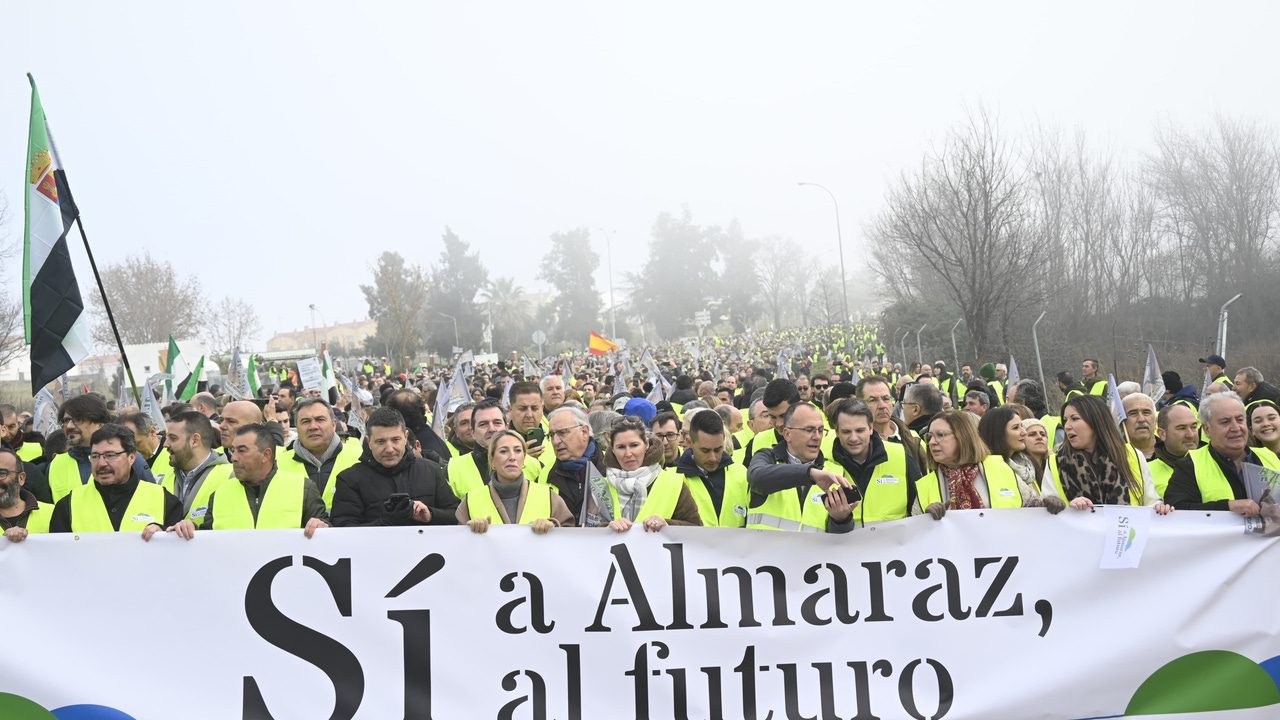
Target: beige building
{"x": 343, "y": 338}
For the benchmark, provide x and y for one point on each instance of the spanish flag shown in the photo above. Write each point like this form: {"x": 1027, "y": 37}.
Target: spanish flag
{"x": 599, "y": 344}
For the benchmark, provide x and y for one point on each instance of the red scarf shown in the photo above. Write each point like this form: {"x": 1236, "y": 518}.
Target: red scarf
{"x": 960, "y": 487}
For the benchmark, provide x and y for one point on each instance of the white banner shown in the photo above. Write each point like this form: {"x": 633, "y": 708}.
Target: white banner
{"x": 1001, "y": 614}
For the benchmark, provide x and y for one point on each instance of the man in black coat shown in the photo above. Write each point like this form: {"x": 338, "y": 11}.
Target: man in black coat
{"x": 391, "y": 486}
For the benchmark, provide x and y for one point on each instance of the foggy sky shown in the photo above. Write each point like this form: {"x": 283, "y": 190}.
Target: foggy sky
{"x": 278, "y": 148}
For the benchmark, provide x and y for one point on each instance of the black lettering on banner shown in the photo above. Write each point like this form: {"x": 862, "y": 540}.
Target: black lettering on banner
{"x": 997, "y": 585}
{"x": 679, "y": 610}
{"x": 537, "y": 606}
{"x": 906, "y": 689}
{"x": 875, "y": 585}
{"x": 862, "y": 686}
{"x": 747, "y": 669}
{"x": 791, "y": 691}
{"x": 746, "y": 599}
{"x": 635, "y": 593}
{"x": 417, "y": 661}
{"x": 955, "y": 606}
{"x": 539, "y": 692}
{"x": 839, "y": 596}
{"x": 314, "y": 647}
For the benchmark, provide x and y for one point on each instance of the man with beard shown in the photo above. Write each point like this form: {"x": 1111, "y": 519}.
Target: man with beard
{"x": 20, "y": 512}
{"x": 116, "y": 500}
{"x": 81, "y": 417}
{"x": 197, "y": 469}
{"x": 11, "y": 435}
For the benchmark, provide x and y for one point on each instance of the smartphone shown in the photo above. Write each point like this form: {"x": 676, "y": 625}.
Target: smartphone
{"x": 536, "y": 436}
{"x": 396, "y": 500}
{"x": 260, "y": 402}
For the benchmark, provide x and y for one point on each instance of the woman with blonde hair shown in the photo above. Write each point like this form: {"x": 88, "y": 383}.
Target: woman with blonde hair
{"x": 509, "y": 494}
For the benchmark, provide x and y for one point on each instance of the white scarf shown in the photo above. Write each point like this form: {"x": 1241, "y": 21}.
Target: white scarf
{"x": 632, "y": 487}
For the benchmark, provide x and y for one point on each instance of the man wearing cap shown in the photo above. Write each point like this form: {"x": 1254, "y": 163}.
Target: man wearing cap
{"x": 1217, "y": 367}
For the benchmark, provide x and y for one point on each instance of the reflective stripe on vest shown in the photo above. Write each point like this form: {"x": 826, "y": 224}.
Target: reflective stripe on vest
{"x": 38, "y": 520}
{"x": 537, "y": 504}
{"x": 886, "y": 496}
{"x": 349, "y": 455}
{"x": 281, "y": 505}
{"x": 1002, "y": 485}
{"x": 89, "y": 512}
{"x": 661, "y": 499}
{"x": 782, "y": 511}
{"x": 64, "y": 476}
{"x": 733, "y": 507}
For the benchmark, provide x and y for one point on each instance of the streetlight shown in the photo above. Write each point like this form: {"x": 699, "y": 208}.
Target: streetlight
{"x": 844, "y": 286}
{"x": 608, "y": 248}
{"x": 455, "y": 328}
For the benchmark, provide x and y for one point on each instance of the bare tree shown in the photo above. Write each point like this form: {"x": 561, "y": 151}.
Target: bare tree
{"x": 777, "y": 267}
{"x": 233, "y": 324}
{"x": 12, "y": 332}
{"x": 150, "y": 302}
{"x": 961, "y": 230}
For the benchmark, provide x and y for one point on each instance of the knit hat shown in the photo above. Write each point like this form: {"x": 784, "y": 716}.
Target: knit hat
{"x": 988, "y": 371}
{"x": 1172, "y": 381}
{"x": 641, "y": 408}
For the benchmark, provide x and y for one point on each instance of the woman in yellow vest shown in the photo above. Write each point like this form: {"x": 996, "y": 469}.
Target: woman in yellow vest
{"x": 1095, "y": 466}
{"x": 1001, "y": 431}
{"x": 1264, "y": 425}
{"x": 509, "y": 494}
{"x": 636, "y": 488}
{"x": 967, "y": 475}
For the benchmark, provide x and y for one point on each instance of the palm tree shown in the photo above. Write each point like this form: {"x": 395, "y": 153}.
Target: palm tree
{"x": 508, "y": 311}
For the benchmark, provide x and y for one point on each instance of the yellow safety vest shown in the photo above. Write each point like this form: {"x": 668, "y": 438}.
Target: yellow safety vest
{"x": 162, "y": 468}
{"x": 216, "y": 475}
{"x": 38, "y": 520}
{"x": 733, "y": 507}
{"x": 464, "y": 474}
{"x": 537, "y": 504}
{"x": 89, "y": 512}
{"x": 291, "y": 466}
{"x": 281, "y": 506}
{"x": 1161, "y": 471}
{"x": 781, "y": 511}
{"x": 1002, "y": 485}
{"x": 29, "y": 451}
{"x": 1135, "y": 495}
{"x": 1051, "y": 425}
{"x": 766, "y": 438}
{"x": 998, "y": 386}
{"x": 1098, "y": 387}
{"x": 64, "y": 476}
{"x": 1213, "y": 482}
{"x": 886, "y": 496}
{"x": 661, "y": 499}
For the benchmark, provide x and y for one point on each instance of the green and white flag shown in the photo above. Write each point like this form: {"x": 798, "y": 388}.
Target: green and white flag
{"x": 172, "y": 357}
{"x": 254, "y": 383}
{"x": 188, "y": 388}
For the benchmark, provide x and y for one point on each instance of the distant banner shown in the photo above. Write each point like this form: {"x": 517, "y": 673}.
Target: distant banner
{"x": 1003, "y": 614}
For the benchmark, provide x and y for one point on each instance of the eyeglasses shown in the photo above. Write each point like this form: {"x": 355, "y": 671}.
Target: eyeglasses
{"x": 941, "y": 434}
{"x": 95, "y": 457}
{"x": 666, "y": 437}
{"x": 821, "y": 387}
{"x": 806, "y": 430}
{"x": 561, "y": 434}
{"x": 6, "y": 474}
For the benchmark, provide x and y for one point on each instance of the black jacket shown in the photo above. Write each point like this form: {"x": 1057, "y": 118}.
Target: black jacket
{"x": 1264, "y": 391}
{"x": 1183, "y": 493}
{"x": 363, "y": 490}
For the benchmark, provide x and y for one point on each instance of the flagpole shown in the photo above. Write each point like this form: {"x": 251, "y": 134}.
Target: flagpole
{"x": 115, "y": 331}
